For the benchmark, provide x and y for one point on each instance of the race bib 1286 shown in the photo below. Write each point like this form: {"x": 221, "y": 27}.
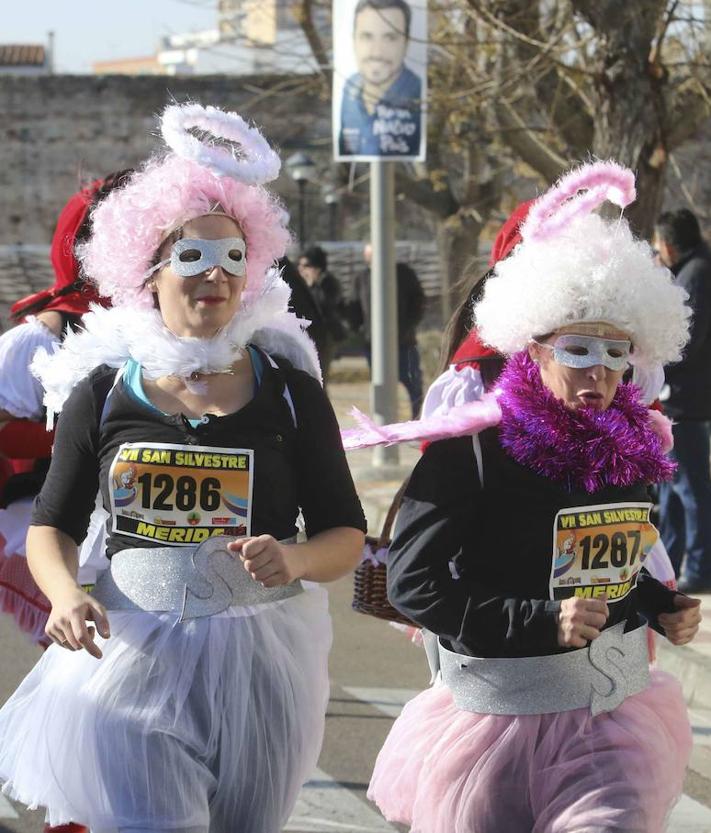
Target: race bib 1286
{"x": 181, "y": 494}
{"x": 600, "y": 550}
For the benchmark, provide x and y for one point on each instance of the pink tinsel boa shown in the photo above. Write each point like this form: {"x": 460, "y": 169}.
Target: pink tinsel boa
{"x": 583, "y": 448}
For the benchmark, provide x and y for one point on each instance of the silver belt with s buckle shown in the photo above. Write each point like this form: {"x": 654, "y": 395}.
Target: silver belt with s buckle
{"x": 599, "y": 677}
{"x": 195, "y": 581}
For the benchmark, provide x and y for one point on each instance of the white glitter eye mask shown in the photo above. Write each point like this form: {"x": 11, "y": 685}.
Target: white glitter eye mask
{"x": 191, "y": 257}
{"x": 581, "y": 351}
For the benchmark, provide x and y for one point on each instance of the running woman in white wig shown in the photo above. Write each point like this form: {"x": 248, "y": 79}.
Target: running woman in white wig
{"x": 193, "y": 678}
{"x": 521, "y": 547}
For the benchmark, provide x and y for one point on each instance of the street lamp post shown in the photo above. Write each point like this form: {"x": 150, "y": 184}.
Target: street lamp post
{"x": 331, "y": 198}
{"x": 300, "y": 167}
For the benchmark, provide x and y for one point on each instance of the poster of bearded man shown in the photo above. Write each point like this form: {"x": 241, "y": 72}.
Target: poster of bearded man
{"x": 379, "y": 80}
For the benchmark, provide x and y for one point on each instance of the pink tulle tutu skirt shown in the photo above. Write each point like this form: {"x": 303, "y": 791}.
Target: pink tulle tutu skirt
{"x": 443, "y": 770}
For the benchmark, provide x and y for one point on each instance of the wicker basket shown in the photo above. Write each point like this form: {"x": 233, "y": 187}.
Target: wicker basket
{"x": 370, "y": 591}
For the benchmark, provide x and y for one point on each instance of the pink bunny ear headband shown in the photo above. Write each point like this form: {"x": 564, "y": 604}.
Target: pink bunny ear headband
{"x": 215, "y": 161}
{"x": 576, "y": 194}
{"x": 573, "y": 266}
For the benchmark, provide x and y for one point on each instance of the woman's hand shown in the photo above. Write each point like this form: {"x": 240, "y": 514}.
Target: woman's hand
{"x": 581, "y": 620}
{"x": 681, "y": 627}
{"x": 67, "y": 622}
{"x": 267, "y": 561}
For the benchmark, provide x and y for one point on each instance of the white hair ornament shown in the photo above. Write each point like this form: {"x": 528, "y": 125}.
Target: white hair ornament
{"x": 574, "y": 266}
{"x": 253, "y": 163}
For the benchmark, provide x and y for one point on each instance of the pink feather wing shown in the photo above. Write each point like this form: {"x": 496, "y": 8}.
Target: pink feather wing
{"x": 457, "y": 422}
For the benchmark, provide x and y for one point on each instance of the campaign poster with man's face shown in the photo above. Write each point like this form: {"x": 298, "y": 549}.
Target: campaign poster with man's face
{"x": 379, "y": 79}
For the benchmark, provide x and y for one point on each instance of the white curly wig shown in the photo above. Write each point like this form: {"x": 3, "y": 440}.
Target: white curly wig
{"x": 574, "y": 266}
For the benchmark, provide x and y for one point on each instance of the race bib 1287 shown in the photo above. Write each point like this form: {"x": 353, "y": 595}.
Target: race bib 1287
{"x": 178, "y": 494}
{"x": 600, "y": 550}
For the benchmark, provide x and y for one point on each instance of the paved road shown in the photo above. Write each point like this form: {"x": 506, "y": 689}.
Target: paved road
{"x": 373, "y": 670}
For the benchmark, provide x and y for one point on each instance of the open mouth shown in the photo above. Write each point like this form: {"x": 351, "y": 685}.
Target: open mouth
{"x": 591, "y": 398}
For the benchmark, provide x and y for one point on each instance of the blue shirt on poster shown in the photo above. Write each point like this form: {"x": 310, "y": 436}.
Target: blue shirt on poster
{"x": 392, "y": 129}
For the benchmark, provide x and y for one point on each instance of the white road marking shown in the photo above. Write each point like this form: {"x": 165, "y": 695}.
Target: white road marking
{"x": 701, "y": 725}
{"x": 690, "y": 816}
{"x": 387, "y": 700}
{"x": 325, "y": 806}
{"x": 7, "y": 811}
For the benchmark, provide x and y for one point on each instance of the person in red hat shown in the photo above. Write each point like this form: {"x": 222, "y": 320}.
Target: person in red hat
{"x": 469, "y": 367}
{"x": 25, "y": 442}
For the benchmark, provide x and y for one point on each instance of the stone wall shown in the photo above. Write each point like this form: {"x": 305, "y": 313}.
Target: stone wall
{"x": 58, "y": 132}
{"x": 25, "y": 269}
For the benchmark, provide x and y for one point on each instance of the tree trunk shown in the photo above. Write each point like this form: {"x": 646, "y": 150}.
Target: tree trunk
{"x": 630, "y": 108}
{"x": 643, "y": 213}
{"x": 457, "y": 248}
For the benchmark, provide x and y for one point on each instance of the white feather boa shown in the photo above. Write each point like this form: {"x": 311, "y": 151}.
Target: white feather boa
{"x": 112, "y": 336}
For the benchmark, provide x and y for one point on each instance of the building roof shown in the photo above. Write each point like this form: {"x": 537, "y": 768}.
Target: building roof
{"x": 127, "y": 66}
{"x": 22, "y": 55}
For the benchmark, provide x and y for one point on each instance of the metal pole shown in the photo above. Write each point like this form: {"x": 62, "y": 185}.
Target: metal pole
{"x": 302, "y": 211}
{"x": 383, "y": 304}
{"x": 332, "y": 220}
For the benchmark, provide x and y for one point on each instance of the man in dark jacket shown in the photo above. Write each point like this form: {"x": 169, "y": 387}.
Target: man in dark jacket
{"x": 326, "y": 328}
{"x": 685, "y": 504}
{"x": 319, "y": 301}
{"x": 410, "y": 309}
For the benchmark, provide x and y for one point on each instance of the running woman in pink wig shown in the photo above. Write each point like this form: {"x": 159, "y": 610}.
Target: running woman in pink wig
{"x": 521, "y": 549}
{"x": 193, "y": 677}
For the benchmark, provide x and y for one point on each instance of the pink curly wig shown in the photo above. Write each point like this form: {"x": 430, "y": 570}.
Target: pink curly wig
{"x": 131, "y": 223}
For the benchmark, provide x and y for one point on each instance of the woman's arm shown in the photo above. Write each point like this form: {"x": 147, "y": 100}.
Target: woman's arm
{"x": 325, "y": 489}
{"x": 326, "y": 556}
{"x": 53, "y": 560}
{"x": 333, "y": 516}
{"x": 672, "y": 614}
{"x": 439, "y": 513}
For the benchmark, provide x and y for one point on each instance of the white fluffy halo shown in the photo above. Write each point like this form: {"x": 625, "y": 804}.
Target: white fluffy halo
{"x": 258, "y": 165}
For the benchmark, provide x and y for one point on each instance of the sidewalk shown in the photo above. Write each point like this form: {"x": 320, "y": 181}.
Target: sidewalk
{"x": 691, "y": 664}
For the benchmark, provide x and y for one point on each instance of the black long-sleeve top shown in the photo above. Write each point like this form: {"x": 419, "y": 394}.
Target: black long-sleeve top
{"x": 296, "y": 466}
{"x": 473, "y": 564}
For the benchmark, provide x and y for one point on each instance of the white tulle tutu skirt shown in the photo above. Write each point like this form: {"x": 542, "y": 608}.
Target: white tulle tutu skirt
{"x": 214, "y": 723}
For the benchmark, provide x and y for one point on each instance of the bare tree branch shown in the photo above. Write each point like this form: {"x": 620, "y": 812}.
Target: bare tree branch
{"x": 537, "y": 154}
{"x": 303, "y": 14}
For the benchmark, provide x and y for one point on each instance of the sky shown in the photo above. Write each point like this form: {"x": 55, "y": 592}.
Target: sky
{"x": 93, "y": 30}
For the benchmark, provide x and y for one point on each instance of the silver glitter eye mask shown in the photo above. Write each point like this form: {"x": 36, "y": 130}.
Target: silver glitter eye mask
{"x": 191, "y": 257}
{"x": 581, "y": 351}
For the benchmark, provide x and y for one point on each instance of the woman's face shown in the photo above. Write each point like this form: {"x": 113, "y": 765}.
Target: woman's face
{"x": 199, "y": 306}
{"x": 582, "y": 387}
